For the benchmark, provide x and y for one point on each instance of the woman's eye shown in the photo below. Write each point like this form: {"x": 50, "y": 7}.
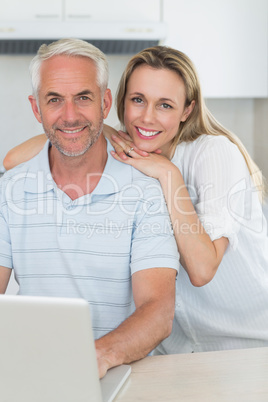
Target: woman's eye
{"x": 137, "y": 100}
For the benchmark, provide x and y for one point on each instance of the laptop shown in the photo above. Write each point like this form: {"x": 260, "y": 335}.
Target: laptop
{"x": 47, "y": 352}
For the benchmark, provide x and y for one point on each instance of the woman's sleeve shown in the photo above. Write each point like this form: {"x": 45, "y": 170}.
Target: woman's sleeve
{"x": 223, "y": 188}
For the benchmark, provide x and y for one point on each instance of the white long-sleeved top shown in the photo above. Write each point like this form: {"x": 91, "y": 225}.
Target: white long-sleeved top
{"x": 231, "y": 311}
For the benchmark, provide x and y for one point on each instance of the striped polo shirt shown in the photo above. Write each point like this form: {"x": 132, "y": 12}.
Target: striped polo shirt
{"x": 88, "y": 247}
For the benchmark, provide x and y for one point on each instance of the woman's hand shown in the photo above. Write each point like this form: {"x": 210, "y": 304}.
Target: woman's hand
{"x": 121, "y": 142}
{"x": 151, "y": 164}
{"x": 123, "y": 146}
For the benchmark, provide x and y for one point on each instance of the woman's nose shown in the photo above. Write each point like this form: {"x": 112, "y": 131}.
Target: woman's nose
{"x": 148, "y": 114}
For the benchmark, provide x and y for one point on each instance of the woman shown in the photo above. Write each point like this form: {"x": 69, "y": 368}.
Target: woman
{"x": 211, "y": 187}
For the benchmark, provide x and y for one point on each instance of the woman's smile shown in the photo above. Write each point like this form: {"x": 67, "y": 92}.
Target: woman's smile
{"x": 147, "y": 134}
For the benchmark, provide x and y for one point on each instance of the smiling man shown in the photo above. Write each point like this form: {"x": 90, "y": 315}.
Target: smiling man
{"x": 74, "y": 222}
{"x": 71, "y": 105}
{"x": 72, "y": 120}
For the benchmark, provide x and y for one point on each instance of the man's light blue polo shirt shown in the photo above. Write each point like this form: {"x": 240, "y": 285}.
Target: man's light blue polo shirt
{"x": 89, "y": 247}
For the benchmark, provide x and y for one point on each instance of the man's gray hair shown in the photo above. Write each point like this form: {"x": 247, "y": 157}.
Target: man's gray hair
{"x": 73, "y": 48}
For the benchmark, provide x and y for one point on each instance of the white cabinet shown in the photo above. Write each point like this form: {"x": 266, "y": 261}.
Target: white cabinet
{"x": 113, "y": 10}
{"x": 30, "y": 10}
{"x": 227, "y": 41}
{"x": 116, "y": 26}
{"x": 91, "y": 10}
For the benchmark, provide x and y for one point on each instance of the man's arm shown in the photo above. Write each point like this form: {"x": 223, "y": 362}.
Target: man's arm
{"x": 4, "y": 278}
{"x": 154, "y": 297}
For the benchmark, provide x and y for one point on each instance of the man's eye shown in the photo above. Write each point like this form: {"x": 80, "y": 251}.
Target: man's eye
{"x": 84, "y": 98}
{"x": 166, "y": 106}
{"x": 53, "y": 100}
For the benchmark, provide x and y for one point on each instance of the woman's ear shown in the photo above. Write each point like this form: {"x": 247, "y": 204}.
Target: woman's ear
{"x": 188, "y": 110}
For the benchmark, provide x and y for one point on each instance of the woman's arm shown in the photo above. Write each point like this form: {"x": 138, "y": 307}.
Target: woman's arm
{"x": 24, "y": 152}
{"x": 198, "y": 254}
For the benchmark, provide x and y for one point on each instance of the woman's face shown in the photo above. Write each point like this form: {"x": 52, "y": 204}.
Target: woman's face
{"x": 154, "y": 107}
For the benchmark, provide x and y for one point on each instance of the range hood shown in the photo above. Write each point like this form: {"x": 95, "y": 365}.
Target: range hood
{"x": 110, "y": 37}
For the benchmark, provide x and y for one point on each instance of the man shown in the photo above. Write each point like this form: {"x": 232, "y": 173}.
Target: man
{"x": 74, "y": 222}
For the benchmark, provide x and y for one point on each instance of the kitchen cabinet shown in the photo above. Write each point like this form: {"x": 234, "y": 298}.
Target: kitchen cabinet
{"x": 115, "y": 10}
{"x": 30, "y": 10}
{"x": 71, "y": 10}
{"x": 227, "y": 41}
{"x": 117, "y": 26}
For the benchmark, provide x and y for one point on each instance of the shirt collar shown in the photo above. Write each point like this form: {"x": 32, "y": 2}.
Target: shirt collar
{"x": 115, "y": 176}
{"x": 39, "y": 180}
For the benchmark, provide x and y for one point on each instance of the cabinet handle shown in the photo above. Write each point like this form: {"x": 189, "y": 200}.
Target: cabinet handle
{"x": 47, "y": 15}
{"x": 79, "y": 16}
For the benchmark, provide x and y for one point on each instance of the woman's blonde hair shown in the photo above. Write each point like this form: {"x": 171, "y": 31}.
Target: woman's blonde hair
{"x": 200, "y": 121}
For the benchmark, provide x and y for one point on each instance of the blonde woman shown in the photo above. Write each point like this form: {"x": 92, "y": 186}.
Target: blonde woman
{"x": 213, "y": 191}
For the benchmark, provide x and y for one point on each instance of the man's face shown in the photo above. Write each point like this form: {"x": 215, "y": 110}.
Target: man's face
{"x": 71, "y": 107}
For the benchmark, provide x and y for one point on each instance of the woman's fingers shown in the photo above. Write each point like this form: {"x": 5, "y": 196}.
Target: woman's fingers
{"x": 122, "y": 148}
{"x": 125, "y": 145}
{"x": 124, "y": 135}
{"x": 127, "y": 138}
{"x": 120, "y": 141}
{"x": 120, "y": 151}
{"x": 119, "y": 146}
{"x": 124, "y": 158}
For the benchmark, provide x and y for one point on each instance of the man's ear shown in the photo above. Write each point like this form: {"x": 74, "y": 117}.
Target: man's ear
{"x": 188, "y": 110}
{"x": 35, "y": 108}
{"x": 107, "y": 102}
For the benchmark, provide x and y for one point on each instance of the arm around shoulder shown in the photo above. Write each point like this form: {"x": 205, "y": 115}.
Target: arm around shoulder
{"x": 25, "y": 151}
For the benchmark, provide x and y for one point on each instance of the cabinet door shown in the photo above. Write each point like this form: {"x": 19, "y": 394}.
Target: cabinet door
{"x": 227, "y": 41}
{"x": 113, "y": 10}
{"x": 30, "y": 10}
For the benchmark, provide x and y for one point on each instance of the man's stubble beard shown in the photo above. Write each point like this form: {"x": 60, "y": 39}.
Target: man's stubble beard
{"x": 91, "y": 139}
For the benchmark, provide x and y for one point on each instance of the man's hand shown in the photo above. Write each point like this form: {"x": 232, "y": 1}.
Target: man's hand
{"x": 154, "y": 297}
{"x": 103, "y": 363}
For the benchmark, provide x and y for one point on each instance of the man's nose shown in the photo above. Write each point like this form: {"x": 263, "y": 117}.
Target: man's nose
{"x": 69, "y": 112}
